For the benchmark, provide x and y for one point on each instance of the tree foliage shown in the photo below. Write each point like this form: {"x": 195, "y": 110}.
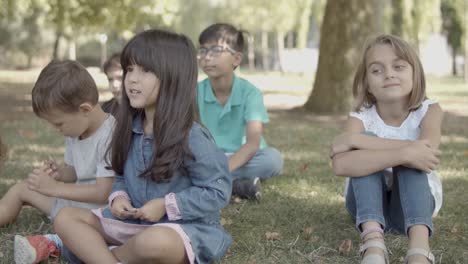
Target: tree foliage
{"x": 414, "y": 19}
{"x": 452, "y": 26}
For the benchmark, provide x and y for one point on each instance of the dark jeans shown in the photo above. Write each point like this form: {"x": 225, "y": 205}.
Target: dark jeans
{"x": 409, "y": 202}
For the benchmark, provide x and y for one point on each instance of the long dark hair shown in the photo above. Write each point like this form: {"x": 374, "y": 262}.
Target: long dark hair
{"x": 172, "y": 58}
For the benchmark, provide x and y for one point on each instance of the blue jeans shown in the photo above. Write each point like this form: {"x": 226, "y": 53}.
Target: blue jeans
{"x": 265, "y": 164}
{"x": 69, "y": 257}
{"x": 409, "y": 202}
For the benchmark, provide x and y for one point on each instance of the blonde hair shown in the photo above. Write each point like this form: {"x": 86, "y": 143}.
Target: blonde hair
{"x": 405, "y": 52}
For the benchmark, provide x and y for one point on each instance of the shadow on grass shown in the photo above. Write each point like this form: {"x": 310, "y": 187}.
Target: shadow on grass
{"x": 455, "y": 124}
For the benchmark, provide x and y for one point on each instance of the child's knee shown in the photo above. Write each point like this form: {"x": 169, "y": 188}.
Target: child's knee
{"x": 273, "y": 162}
{"x": 156, "y": 242}
{"x": 19, "y": 189}
{"x": 61, "y": 220}
{"x": 71, "y": 214}
{"x": 64, "y": 214}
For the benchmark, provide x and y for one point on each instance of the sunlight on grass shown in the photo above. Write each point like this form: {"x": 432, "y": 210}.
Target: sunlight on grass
{"x": 453, "y": 139}
{"x": 450, "y": 173}
{"x": 37, "y": 148}
{"x": 8, "y": 181}
{"x": 301, "y": 155}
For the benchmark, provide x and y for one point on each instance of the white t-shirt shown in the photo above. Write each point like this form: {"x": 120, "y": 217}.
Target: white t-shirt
{"x": 87, "y": 158}
{"x": 408, "y": 130}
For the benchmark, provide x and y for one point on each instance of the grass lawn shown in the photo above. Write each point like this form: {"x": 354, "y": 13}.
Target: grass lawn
{"x": 301, "y": 218}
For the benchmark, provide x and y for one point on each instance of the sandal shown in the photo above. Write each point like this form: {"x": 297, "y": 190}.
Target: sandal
{"x": 419, "y": 251}
{"x": 374, "y": 258}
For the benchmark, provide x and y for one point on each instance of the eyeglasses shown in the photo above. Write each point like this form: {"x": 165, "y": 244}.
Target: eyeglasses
{"x": 214, "y": 51}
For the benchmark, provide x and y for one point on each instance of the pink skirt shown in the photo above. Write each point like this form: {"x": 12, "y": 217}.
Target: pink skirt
{"x": 122, "y": 232}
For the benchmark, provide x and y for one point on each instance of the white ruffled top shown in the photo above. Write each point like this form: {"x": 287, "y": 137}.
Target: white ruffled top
{"x": 408, "y": 130}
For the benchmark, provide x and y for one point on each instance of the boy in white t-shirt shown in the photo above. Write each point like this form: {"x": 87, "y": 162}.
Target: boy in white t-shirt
{"x": 66, "y": 96}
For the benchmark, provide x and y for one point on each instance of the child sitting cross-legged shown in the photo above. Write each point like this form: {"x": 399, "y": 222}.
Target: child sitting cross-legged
{"x": 66, "y": 96}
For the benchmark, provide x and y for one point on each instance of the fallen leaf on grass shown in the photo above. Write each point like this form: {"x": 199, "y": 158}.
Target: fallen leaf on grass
{"x": 237, "y": 200}
{"x": 454, "y": 230}
{"x": 272, "y": 236}
{"x": 308, "y": 230}
{"x": 225, "y": 221}
{"x": 304, "y": 167}
{"x": 307, "y": 233}
{"x": 345, "y": 247}
{"x": 28, "y": 134}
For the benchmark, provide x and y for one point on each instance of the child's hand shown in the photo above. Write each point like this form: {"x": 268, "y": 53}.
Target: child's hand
{"x": 152, "y": 211}
{"x": 40, "y": 181}
{"x": 420, "y": 155}
{"x": 52, "y": 169}
{"x": 122, "y": 208}
{"x": 341, "y": 143}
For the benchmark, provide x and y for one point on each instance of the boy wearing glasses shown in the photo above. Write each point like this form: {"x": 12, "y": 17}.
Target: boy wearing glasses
{"x": 114, "y": 74}
{"x": 232, "y": 109}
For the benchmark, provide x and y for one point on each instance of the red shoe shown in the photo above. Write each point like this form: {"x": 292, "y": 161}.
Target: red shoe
{"x": 34, "y": 249}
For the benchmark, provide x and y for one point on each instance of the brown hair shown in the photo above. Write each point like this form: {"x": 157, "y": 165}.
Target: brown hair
{"x": 64, "y": 85}
{"x": 112, "y": 63}
{"x": 172, "y": 58}
{"x": 225, "y": 32}
{"x": 405, "y": 52}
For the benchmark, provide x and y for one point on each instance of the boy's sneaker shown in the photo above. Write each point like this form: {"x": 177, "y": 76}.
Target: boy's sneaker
{"x": 34, "y": 249}
{"x": 250, "y": 189}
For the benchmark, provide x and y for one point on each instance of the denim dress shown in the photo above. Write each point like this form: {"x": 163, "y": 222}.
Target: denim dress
{"x": 200, "y": 193}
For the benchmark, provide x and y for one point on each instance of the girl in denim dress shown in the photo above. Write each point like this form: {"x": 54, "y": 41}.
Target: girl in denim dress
{"x": 389, "y": 151}
{"x": 172, "y": 179}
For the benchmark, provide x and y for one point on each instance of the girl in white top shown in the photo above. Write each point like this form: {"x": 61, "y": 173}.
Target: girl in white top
{"x": 389, "y": 151}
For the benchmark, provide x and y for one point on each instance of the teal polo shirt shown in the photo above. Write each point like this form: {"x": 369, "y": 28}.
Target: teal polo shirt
{"x": 228, "y": 123}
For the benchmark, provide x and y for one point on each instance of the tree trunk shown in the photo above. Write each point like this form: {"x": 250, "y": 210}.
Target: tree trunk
{"x": 265, "y": 51}
{"x": 290, "y": 40}
{"x": 58, "y": 36}
{"x": 72, "y": 49}
{"x": 397, "y": 17}
{"x": 304, "y": 24}
{"x": 454, "y": 61}
{"x": 465, "y": 75}
{"x": 251, "y": 52}
{"x": 345, "y": 27}
{"x": 280, "y": 45}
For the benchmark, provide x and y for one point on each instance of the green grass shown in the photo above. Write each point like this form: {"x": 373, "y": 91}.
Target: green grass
{"x": 304, "y": 205}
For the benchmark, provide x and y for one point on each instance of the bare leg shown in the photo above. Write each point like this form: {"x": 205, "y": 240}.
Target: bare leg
{"x": 82, "y": 233}
{"x": 418, "y": 238}
{"x": 373, "y": 236}
{"x": 153, "y": 245}
{"x": 19, "y": 195}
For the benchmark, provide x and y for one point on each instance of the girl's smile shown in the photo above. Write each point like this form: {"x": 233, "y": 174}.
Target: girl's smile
{"x": 390, "y": 78}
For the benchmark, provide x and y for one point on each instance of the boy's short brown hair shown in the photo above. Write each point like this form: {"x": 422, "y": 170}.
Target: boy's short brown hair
{"x": 63, "y": 85}
{"x": 112, "y": 63}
